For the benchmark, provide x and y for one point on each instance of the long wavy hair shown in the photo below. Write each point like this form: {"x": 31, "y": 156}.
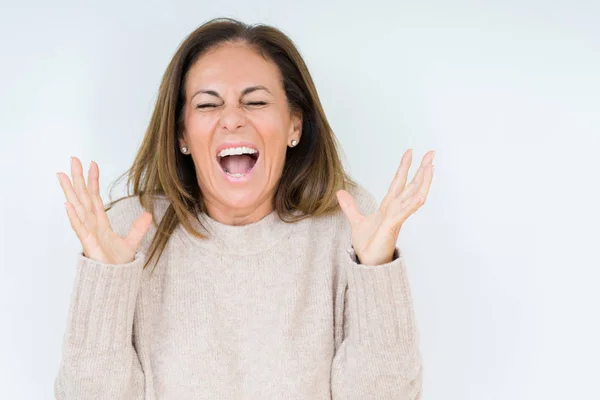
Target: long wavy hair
{"x": 312, "y": 172}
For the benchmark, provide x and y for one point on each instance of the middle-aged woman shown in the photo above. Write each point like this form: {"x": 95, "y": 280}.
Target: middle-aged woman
{"x": 274, "y": 275}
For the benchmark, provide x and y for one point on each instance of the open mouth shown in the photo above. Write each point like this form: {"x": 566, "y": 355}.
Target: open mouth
{"x": 237, "y": 161}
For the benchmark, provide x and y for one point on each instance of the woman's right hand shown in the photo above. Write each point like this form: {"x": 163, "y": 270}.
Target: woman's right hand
{"x": 90, "y": 222}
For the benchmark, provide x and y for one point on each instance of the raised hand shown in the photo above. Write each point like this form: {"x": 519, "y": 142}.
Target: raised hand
{"x": 374, "y": 236}
{"x": 85, "y": 210}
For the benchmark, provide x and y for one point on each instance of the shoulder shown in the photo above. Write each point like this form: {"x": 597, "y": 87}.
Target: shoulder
{"x": 335, "y": 225}
{"x": 124, "y": 211}
{"x": 366, "y": 202}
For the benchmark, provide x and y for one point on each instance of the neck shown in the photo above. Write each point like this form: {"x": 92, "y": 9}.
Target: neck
{"x": 238, "y": 216}
{"x": 235, "y": 234}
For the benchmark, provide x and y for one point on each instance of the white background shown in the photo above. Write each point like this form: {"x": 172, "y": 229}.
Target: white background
{"x": 503, "y": 256}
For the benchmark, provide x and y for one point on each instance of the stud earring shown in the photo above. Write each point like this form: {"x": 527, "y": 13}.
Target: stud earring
{"x": 184, "y": 150}
{"x": 294, "y": 142}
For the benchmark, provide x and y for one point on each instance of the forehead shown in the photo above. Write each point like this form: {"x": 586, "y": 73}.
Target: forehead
{"x": 233, "y": 66}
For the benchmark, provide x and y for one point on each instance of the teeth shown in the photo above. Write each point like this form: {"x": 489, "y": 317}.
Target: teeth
{"x": 236, "y": 151}
{"x": 235, "y": 175}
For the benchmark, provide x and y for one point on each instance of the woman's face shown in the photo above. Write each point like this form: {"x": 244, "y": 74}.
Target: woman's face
{"x": 237, "y": 129}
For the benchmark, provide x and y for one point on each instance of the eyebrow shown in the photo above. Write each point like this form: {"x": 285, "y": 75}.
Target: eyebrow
{"x": 247, "y": 90}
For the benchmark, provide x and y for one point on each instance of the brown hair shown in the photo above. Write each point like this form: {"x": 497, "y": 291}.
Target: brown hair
{"x": 312, "y": 173}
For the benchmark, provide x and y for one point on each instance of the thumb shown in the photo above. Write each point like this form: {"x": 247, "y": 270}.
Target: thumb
{"x": 349, "y": 207}
{"x": 138, "y": 230}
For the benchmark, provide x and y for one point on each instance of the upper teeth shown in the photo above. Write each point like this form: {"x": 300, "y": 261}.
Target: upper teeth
{"x": 236, "y": 151}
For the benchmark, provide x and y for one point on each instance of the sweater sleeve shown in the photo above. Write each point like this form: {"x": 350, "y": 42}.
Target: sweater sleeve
{"x": 99, "y": 360}
{"x": 379, "y": 356}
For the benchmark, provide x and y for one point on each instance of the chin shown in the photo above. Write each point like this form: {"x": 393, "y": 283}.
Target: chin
{"x": 240, "y": 198}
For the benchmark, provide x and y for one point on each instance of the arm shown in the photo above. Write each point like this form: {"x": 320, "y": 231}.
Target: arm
{"x": 378, "y": 357}
{"x": 99, "y": 360}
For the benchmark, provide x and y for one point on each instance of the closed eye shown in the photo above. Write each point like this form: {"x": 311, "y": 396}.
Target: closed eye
{"x": 252, "y": 103}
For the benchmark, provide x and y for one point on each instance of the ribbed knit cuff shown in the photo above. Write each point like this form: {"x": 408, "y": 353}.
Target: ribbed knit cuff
{"x": 102, "y": 306}
{"x": 380, "y": 304}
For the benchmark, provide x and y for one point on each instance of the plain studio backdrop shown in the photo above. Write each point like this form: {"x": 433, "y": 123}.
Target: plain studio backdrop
{"x": 502, "y": 258}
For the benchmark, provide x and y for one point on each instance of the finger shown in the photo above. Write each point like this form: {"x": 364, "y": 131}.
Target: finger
{"x": 76, "y": 223}
{"x": 93, "y": 179}
{"x": 349, "y": 207}
{"x": 412, "y": 188}
{"x": 138, "y": 230}
{"x": 102, "y": 219}
{"x": 409, "y": 207}
{"x": 417, "y": 181}
{"x": 70, "y": 195}
{"x": 399, "y": 180}
{"x": 94, "y": 191}
{"x": 404, "y": 208}
{"x": 80, "y": 187}
{"x": 423, "y": 190}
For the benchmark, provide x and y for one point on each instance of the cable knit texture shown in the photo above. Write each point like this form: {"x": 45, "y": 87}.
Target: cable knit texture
{"x": 269, "y": 310}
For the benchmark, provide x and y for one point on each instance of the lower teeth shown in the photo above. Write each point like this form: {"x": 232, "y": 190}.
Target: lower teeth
{"x": 238, "y": 175}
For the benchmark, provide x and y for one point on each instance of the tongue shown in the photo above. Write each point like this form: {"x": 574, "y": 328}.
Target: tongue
{"x": 237, "y": 164}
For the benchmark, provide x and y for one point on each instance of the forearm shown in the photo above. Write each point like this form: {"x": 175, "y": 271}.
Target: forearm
{"x": 98, "y": 358}
{"x": 379, "y": 356}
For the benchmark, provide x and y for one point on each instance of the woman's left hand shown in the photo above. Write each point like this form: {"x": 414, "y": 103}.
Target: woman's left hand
{"x": 374, "y": 237}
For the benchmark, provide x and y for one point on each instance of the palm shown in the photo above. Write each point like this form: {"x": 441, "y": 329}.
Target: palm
{"x": 374, "y": 236}
{"x": 90, "y": 222}
{"x": 108, "y": 246}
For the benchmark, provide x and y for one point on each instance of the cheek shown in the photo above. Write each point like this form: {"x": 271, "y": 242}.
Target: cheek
{"x": 199, "y": 125}
{"x": 275, "y": 148}
{"x": 273, "y": 134}
{"x": 198, "y": 130}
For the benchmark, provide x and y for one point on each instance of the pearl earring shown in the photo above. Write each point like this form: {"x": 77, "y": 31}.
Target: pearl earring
{"x": 294, "y": 142}
{"x": 184, "y": 150}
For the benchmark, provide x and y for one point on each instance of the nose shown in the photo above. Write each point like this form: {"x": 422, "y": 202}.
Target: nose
{"x": 232, "y": 118}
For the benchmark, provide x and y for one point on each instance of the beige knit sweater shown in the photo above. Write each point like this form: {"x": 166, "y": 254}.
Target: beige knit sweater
{"x": 269, "y": 310}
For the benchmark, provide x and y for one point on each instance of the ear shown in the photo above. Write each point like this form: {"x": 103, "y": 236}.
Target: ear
{"x": 181, "y": 141}
{"x": 296, "y": 128}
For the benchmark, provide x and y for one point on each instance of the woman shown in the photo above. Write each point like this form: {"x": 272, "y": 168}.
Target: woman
{"x": 274, "y": 275}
